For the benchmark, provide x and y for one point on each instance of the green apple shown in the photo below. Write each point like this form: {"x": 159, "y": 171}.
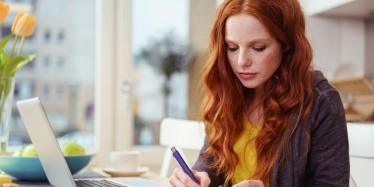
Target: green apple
{"x": 18, "y": 153}
{"x": 29, "y": 151}
{"x": 72, "y": 149}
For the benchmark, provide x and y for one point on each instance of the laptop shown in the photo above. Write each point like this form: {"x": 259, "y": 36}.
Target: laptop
{"x": 51, "y": 157}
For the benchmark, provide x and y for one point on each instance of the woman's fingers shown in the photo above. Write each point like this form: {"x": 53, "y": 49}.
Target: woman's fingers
{"x": 185, "y": 179}
{"x": 203, "y": 178}
{"x": 181, "y": 179}
{"x": 175, "y": 182}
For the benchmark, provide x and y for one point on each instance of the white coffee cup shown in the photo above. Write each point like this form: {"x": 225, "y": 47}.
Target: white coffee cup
{"x": 125, "y": 161}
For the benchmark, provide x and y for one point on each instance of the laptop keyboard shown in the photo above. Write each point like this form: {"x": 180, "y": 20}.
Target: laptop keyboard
{"x": 96, "y": 183}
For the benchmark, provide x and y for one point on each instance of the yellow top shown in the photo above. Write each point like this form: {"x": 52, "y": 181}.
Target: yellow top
{"x": 245, "y": 149}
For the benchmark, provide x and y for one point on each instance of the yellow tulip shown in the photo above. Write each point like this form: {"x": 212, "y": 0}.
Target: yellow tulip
{"x": 4, "y": 9}
{"x": 23, "y": 25}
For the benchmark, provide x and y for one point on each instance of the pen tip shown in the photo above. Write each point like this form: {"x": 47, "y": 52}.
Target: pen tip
{"x": 173, "y": 149}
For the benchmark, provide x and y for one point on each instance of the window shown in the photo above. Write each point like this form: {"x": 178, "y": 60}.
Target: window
{"x": 24, "y": 89}
{"x": 46, "y": 62}
{"x": 46, "y": 91}
{"x": 47, "y": 35}
{"x": 68, "y": 98}
{"x": 61, "y": 62}
{"x": 61, "y": 36}
{"x": 152, "y": 23}
{"x": 30, "y": 66}
{"x": 60, "y": 91}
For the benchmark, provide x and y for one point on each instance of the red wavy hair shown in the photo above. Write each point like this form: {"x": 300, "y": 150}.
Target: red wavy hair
{"x": 228, "y": 100}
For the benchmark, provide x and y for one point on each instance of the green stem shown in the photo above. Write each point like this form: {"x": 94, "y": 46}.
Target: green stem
{"x": 3, "y": 73}
{"x": 8, "y": 64}
{"x": 21, "y": 48}
{"x": 13, "y": 46}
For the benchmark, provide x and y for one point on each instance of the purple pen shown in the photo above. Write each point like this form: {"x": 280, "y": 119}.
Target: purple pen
{"x": 183, "y": 164}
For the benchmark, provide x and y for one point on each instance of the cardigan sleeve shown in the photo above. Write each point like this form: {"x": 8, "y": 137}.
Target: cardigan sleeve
{"x": 329, "y": 151}
{"x": 202, "y": 164}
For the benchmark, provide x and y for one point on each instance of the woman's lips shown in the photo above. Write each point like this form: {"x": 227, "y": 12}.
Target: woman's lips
{"x": 247, "y": 76}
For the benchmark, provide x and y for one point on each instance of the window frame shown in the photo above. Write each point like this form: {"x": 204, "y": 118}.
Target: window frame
{"x": 113, "y": 72}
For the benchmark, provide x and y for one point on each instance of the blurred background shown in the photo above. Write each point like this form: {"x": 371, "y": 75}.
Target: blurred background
{"x": 109, "y": 71}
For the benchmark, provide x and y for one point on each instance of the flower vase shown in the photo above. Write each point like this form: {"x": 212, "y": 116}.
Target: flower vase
{"x": 6, "y": 102}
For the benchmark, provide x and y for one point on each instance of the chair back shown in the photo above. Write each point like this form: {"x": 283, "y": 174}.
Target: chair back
{"x": 182, "y": 134}
{"x": 361, "y": 153}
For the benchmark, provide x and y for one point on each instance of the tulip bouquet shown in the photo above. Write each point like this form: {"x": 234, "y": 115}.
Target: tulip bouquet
{"x": 10, "y": 62}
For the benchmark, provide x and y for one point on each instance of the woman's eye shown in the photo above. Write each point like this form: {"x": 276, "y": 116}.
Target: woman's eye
{"x": 259, "y": 49}
{"x": 232, "y": 48}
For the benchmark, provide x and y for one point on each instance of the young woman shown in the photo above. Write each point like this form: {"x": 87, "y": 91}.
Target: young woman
{"x": 270, "y": 120}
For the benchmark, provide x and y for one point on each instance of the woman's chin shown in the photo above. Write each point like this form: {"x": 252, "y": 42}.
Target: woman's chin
{"x": 251, "y": 84}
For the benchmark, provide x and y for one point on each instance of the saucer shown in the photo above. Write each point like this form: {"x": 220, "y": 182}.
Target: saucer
{"x": 116, "y": 173}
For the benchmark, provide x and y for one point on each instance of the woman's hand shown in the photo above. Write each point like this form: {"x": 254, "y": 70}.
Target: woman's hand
{"x": 181, "y": 179}
{"x": 250, "y": 183}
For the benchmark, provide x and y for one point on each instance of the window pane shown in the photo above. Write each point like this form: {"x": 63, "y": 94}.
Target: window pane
{"x": 62, "y": 75}
{"x": 160, "y": 85}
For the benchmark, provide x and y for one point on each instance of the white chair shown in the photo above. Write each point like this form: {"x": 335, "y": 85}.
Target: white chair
{"x": 361, "y": 153}
{"x": 182, "y": 134}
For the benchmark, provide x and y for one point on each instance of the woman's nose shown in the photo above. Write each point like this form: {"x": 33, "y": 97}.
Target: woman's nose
{"x": 244, "y": 58}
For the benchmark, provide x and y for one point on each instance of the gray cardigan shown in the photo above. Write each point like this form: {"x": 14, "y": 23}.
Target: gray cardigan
{"x": 325, "y": 162}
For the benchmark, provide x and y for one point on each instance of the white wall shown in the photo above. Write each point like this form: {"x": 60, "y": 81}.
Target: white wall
{"x": 338, "y": 44}
{"x": 316, "y": 6}
{"x": 369, "y": 61}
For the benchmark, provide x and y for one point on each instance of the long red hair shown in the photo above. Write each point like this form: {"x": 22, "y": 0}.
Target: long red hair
{"x": 228, "y": 100}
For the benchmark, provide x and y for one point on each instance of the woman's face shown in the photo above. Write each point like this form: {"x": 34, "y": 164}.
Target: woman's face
{"x": 254, "y": 55}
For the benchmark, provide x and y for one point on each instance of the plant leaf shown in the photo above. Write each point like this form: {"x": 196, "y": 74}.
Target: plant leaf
{"x": 16, "y": 63}
{"x": 4, "y": 59}
{"x": 26, "y": 59}
{"x": 4, "y": 41}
